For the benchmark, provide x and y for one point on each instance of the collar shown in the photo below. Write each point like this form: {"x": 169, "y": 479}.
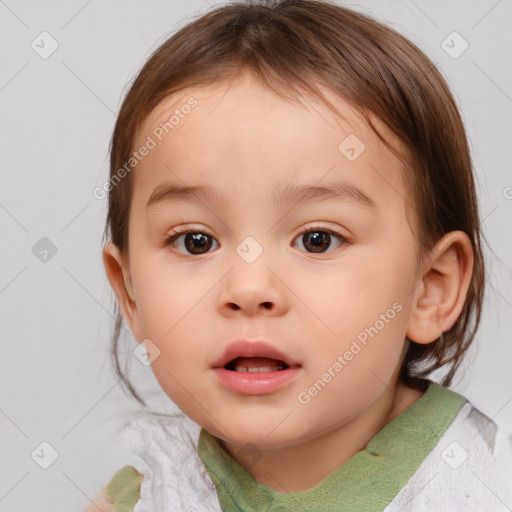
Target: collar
{"x": 368, "y": 481}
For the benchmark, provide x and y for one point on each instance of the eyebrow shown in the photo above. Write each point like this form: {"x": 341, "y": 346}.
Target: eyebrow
{"x": 169, "y": 193}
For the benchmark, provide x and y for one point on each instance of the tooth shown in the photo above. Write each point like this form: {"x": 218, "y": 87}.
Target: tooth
{"x": 260, "y": 369}
{"x": 257, "y": 365}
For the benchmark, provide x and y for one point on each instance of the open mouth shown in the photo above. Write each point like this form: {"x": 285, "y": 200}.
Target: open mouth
{"x": 255, "y": 365}
{"x": 255, "y": 368}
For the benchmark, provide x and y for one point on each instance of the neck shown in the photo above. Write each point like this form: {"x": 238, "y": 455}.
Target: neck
{"x": 302, "y": 466}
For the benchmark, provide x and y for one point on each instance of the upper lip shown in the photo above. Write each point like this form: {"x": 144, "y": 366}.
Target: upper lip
{"x": 259, "y": 348}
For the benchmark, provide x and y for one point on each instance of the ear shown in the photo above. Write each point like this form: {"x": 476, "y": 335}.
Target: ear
{"x": 119, "y": 277}
{"x": 440, "y": 296}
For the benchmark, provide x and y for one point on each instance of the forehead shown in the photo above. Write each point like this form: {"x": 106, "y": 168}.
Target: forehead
{"x": 231, "y": 132}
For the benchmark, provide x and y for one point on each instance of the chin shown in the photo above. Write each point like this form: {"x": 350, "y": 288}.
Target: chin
{"x": 261, "y": 435}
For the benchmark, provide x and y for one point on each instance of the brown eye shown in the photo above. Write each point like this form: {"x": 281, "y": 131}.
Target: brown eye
{"x": 317, "y": 240}
{"x": 194, "y": 242}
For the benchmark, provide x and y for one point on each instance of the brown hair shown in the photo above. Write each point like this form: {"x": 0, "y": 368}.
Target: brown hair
{"x": 291, "y": 46}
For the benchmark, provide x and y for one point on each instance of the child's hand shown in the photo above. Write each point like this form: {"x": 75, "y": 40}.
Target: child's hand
{"x": 100, "y": 504}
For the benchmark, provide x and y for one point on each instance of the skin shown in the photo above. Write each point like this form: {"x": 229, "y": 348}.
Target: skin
{"x": 100, "y": 503}
{"x": 244, "y": 140}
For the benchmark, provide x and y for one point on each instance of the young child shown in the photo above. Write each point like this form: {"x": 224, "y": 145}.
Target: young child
{"x": 294, "y": 241}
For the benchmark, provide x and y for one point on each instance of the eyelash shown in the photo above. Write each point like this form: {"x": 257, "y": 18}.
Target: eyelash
{"x": 174, "y": 235}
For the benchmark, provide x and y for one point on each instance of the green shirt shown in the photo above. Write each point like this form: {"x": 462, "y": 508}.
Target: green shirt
{"x": 367, "y": 482}
{"x": 123, "y": 490}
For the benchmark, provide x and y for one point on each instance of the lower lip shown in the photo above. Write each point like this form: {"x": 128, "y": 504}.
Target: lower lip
{"x": 253, "y": 383}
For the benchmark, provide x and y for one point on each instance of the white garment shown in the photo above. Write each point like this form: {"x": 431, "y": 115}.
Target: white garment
{"x": 470, "y": 469}
{"x": 163, "y": 449}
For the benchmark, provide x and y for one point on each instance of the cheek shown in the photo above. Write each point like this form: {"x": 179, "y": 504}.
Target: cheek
{"x": 163, "y": 297}
{"x": 350, "y": 392}
{"x": 351, "y": 298}
{"x": 172, "y": 315}
{"x": 363, "y": 314}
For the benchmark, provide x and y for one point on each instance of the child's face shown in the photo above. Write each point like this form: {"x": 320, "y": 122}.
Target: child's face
{"x": 341, "y": 312}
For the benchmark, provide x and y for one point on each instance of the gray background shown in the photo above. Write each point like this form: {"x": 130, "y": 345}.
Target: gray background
{"x": 57, "y": 116}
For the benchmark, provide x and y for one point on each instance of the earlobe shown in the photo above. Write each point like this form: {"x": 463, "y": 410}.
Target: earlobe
{"x": 120, "y": 281}
{"x": 440, "y": 296}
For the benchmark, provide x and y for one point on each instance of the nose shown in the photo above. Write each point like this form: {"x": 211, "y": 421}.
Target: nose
{"x": 253, "y": 289}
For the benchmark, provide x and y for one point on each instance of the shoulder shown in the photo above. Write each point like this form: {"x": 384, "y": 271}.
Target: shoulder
{"x": 100, "y": 503}
{"x": 120, "y": 494}
{"x": 165, "y": 465}
{"x": 124, "y": 488}
{"x": 470, "y": 468}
